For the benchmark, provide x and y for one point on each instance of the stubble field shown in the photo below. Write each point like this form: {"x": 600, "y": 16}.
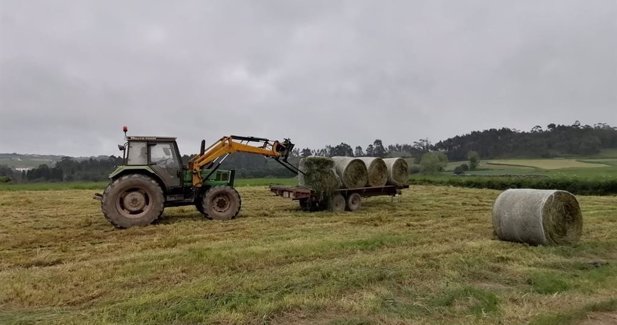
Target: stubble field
{"x": 426, "y": 257}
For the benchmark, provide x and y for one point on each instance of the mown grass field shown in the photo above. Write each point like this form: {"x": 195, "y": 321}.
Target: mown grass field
{"x": 426, "y": 257}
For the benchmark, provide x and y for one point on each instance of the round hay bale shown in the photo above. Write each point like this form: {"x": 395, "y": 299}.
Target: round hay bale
{"x": 398, "y": 171}
{"x": 351, "y": 171}
{"x": 537, "y": 217}
{"x": 318, "y": 174}
{"x": 377, "y": 171}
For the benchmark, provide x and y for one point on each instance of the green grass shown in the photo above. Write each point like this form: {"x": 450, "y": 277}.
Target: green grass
{"x": 426, "y": 257}
{"x": 547, "y": 164}
{"x": 266, "y": 181}
{"x": 55, "y": 186}
{"x": 585, "y": 179}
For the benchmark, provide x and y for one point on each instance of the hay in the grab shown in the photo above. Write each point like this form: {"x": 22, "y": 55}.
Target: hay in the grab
{"x": 318, "y": 174}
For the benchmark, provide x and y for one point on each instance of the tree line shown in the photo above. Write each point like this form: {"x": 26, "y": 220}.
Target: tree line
{"x": 554, "y": 140}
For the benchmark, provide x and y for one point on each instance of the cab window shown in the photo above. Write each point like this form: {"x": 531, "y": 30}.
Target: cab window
{"x": 162, "y": 154}
{"x": 137, "y": 154}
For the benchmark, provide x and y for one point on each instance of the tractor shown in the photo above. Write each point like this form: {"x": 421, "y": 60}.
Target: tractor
{"x": 152, "y": 177}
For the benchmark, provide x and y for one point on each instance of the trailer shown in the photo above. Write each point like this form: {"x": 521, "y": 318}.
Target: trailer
{"x": 340, "y": 200}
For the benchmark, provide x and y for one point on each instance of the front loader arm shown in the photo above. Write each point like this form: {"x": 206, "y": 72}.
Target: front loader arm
{"x": 225, "y": 146}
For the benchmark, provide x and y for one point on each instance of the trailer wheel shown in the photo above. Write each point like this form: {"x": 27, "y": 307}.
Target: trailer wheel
{"x": 337, "y": 203}
{"x": 222, "y": 202}
{"x": 353, "y": 202}
{"x": 305, "y": 204}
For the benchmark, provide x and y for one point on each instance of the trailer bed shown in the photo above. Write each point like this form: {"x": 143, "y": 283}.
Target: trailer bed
{"x": 311, "y": 201}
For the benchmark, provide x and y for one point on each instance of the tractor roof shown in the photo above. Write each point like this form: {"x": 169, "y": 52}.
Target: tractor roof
{"x": 149, "y": 138}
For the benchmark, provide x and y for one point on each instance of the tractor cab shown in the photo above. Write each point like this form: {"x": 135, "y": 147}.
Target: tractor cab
{"x": 156, "y": 155}
{"x": 160, "y": 158}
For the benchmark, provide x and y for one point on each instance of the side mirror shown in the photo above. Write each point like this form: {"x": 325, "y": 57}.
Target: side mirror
{"x": 121, "y": 147}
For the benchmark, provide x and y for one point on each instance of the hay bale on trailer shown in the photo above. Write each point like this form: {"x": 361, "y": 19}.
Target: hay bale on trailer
{"x": 319, "y": 175}
{"x": 377, "y": 171}
{"x": 398, "y": 171}
{"x": 351, "y": 171}
{"x": 537, "y": 217}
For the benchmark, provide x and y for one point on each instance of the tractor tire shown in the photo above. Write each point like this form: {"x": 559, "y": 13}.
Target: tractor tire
{"x": 222, "y": 203}
{"x": 133, "y": 200}
{"x": 199, "y": 204}
{"x": 337, "y": 203}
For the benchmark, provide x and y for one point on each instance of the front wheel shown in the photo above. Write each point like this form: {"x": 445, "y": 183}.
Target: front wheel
{"x": 222, "y": 203}
{"x": 132, "y": 200}
{"x": 199, "y": 204}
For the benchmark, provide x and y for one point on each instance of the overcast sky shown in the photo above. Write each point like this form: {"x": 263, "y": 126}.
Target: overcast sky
{"x": 319, "y": 72}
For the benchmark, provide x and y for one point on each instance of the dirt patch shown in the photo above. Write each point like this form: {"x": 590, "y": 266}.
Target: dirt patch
{"x": 600, "y": 318}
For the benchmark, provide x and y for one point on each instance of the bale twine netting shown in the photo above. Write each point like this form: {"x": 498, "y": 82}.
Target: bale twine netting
{"x": 398, "y": 171}
{"x": 377, "y": 171}
{"x": 537, "y": 217}
{"x": 318, "y": 174}
{"x": 351, "y": 171}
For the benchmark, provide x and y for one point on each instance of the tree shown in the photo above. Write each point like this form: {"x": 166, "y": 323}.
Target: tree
{"x": 342, "y": 149}
{"x": 433, "y": 162}
{"x": 358, "y": 152}
{"x": 370, "y": 151}
{"x": 474, "y": 159}
{"x": 378, "y": 149}
{"x": 461, "y": 169}
{"x": 305, "y": 152}
{"x": 422, "y": 145}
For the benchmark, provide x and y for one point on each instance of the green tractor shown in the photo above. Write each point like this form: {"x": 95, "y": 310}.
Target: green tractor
{"x": 153, "y": 177}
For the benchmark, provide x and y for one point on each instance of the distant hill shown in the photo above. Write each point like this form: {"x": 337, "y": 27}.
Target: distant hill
{"x": 552, "y": 141}
{"x": 15, "y": 160}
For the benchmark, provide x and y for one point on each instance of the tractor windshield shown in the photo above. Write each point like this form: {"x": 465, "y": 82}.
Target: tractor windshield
{"x": 137, "y": 154}
{"x": 163, "y": 154}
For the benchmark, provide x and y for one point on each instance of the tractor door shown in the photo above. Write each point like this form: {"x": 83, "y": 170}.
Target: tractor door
{"x": 164, "y": 160}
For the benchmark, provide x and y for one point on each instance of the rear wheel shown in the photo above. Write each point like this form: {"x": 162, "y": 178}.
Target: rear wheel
{"x": 354, "y": 200}
{"x": 222, "y": 203}
{"x": 337, "y": 203}
{"x": 132, "y": 200}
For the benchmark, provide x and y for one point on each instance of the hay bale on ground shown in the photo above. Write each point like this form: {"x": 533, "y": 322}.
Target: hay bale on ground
{"x": 537, "y": 217}
{"x": 377, "y": 171}
{"x": 319, "y": 175}
{"x": 398, "y": 171}
{"x": 351, "y": 171}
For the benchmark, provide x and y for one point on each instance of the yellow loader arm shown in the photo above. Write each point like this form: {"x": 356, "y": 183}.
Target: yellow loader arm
{"x": 225, "y": 146}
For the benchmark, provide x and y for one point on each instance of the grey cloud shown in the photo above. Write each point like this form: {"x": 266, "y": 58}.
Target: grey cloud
{"x": 320, "y": 72}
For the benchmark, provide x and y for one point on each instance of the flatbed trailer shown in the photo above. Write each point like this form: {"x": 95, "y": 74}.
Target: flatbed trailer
{"x": 341, "y": 199}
